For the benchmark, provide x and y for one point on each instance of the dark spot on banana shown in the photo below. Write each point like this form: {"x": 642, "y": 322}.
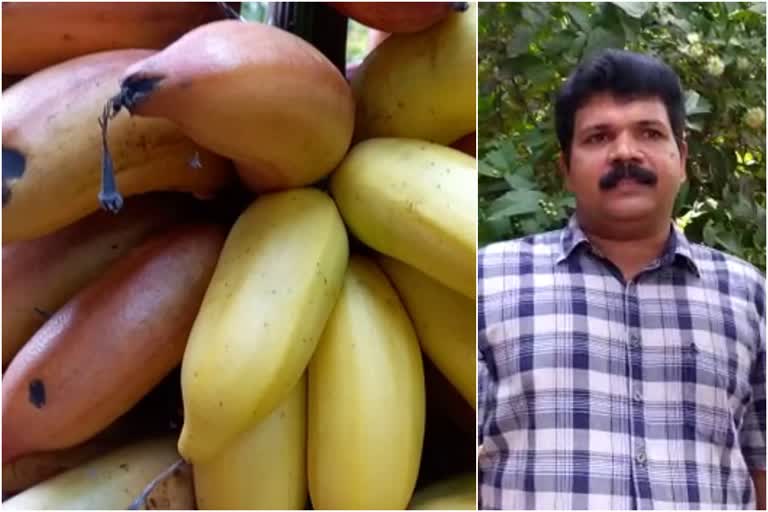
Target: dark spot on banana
{"x": 37, "y": 393}
{"x": 42, "y": 313}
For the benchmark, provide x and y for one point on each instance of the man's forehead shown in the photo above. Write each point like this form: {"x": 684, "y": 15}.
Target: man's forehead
{"x": 608, "y": 108}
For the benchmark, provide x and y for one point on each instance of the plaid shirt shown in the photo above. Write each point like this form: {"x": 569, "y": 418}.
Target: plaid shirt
{"x": 601, "y": 394}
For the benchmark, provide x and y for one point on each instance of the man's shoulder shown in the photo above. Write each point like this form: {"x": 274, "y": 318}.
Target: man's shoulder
{"x": 730, "y": 272}
{"x": 537, "y": 245}
{"x": 711, "y": 261}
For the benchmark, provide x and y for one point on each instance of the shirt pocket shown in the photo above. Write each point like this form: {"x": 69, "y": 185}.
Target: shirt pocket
{"x": 709, "y": 390}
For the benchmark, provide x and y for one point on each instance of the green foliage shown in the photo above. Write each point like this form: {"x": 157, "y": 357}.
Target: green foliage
{"x": 254, "y": 11}
{"x": 718, "y": 49}
{"x": 357, "y": 42}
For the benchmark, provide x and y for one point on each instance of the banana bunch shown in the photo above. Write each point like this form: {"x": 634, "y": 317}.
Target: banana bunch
{"x": 277, "y": 309}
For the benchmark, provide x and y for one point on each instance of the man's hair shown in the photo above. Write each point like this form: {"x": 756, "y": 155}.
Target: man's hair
{"x": 626, "y": 75}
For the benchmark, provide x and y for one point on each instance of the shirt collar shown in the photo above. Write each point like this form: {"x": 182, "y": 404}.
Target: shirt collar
{"x": 678, "y": 248}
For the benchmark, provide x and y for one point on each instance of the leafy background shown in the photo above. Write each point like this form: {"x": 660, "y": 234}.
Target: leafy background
{"x": 526, "y": 50}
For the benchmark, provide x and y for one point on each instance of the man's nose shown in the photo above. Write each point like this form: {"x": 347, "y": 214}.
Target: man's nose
{"x": 624, "y": 149}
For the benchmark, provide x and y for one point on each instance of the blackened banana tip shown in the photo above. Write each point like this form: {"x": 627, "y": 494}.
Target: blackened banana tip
{"x": 460, "y": 6}
{"x": 13, "y": 169}
{"x": 134, "y": 89}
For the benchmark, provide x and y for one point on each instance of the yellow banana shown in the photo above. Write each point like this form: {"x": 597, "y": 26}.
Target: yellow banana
{"x": 34, "y": 468}
{"x": 52, "y": 147}
{"x": 420, "y": 85}
{"x": 173, "y": 489}
{"x": 456, "y": 493}
{"x": 444, "y": 321}
{"x": 108, "y": 482}
{"x": 265, "y": 467}
{"x": 275, "y": 285}
{"x": 416, "y": 202}
{"x": 366, "y": 399}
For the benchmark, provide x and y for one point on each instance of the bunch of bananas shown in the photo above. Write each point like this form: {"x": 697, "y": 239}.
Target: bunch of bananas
{"x": 323, "y": 270}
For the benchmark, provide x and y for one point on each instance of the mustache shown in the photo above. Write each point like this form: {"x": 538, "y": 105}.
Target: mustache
{"x": 621, "y": 171}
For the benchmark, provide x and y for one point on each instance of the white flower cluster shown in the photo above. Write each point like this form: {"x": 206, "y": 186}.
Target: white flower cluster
{"x": 755, "y": 117}
{"x": 742, "y": 63}
{"x": 715, "y": 66}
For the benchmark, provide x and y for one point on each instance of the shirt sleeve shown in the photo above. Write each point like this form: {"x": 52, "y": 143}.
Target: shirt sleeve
{"x": 752, "y": 435}
{"x": 482, "y": 377}
{"x": 482, "y": 361}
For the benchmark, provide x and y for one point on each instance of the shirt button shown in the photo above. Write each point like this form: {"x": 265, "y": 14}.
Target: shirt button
{"x": 638, "y": 396}
{"x": 640, "y": 457}
{"x": 634, "y": 339}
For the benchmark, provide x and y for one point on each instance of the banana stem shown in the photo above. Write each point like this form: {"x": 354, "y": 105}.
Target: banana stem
{"x": 132, "y": 90}
{"x": 109, "y": 197}
{"x": 141, "y": 502}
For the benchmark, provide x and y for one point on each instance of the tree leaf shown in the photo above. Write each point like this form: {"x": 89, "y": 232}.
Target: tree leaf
{"x": 534, "y": 14}
{"x": 487, "y": 86}
{"x": 743, "y": 209}
{"x": 492, "y": 230}
{"x": 683, "y": 10}
{"x": 759, "y": 240}
{"x": 634, "y": 9}
{"x": 519, "y": 182}
{"x": 696, "y": 104}
{"x": 485, "y": 106}
{"x": 729, "y": 241}
{"x": 679, "y": 19}
{"x": 515, "y": 203}
{"x": 498, "y": 161}
{"x": 710, "y": 233}
{"x": 600, "y": 39}
{"x": 488, "y": 170}
{"x": 578, "y": 13}
{"x": 518, "y": 43}
{"x": 560, "y": 42}
{"x": 487, "y": 188}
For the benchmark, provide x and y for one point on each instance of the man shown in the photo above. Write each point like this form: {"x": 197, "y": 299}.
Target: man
{"x": 622, "y": 366}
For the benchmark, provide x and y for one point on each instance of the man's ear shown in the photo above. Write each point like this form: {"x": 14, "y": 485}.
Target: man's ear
{"x": 563, "y": 165}
{"x": 683, "y": 147}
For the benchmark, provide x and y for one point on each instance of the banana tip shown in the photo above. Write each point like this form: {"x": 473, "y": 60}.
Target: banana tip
{"x": 13, "y": 169}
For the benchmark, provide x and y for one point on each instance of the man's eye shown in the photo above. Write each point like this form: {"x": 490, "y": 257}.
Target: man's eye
{"x": 596, "y": 138}
{"x": 650, "y": 133}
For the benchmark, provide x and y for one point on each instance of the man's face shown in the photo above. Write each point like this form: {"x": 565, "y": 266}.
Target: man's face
{"x": 610, "y": 132}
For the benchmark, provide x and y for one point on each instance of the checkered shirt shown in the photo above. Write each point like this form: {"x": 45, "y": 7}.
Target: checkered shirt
{"x": 601, "y": 394}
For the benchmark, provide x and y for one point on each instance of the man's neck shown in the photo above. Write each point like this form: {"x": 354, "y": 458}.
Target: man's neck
{"x": 633, "y": 250}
